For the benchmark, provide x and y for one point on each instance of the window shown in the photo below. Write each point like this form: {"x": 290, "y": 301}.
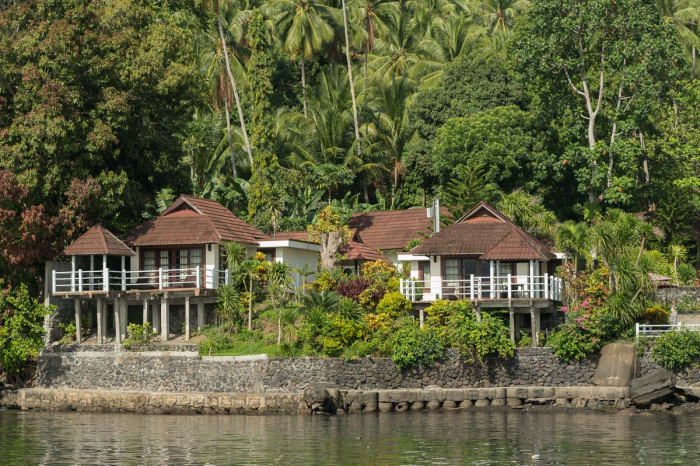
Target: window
{"x": 168, "y": 259}
{"x": 452, "y": 269}
{"x": 468, "y": 268}
{"x": 505, "y": 269}
{"x": 424, "y": 271}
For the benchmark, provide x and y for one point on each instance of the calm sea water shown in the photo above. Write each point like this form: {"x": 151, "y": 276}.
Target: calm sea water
{"x": 427, "y": 438}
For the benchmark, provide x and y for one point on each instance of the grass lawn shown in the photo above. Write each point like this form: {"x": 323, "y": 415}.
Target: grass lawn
{"x": 244, "y": 348}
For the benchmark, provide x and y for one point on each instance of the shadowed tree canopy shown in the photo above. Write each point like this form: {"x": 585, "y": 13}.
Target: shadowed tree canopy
{"x": 95, "y": 88}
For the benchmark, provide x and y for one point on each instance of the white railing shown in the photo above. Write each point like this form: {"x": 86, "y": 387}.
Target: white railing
{"x": 479, "y": 288}
{"x": 156, "y": 279}
{"x": 653, "y": 331}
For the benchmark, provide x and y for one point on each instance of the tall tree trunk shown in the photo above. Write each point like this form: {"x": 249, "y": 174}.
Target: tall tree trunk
{"x": 396, "y": 182}
{"x": 365, "y": 191}
{"x": 352, "y": 82}
{"x": 694, "y": 62}
{"x": 235, "y": 88}
{"x": 250, "y": 305}
{"x": 230, "y": 139}
{"x": 303, "y": 82}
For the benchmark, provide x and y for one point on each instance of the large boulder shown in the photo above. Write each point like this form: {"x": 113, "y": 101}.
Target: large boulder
{"x": 651, "y": 387}
{"x": 322, "y": 397}
{"x": 616, "y": 366}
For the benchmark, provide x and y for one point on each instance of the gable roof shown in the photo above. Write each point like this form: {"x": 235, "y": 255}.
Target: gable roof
{"x": 487, "y": 233}
{"x": 392, "y": 229}
{"x": 98, "y": 241}
{"x": 192, "y": 220}
{"x": 355, "y": 249}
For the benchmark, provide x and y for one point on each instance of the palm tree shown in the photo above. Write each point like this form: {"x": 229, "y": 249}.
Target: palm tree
{"x": 352, "y": 83}
{"x": 572, "y": 238}
{"x": 305, "y": 28}
{"x": 391, "y": 99}
{"x": 498, "y": 16}
{"x": 683, "y": 16}
{"x": 215, "y": 6}
{"x": 677, "y": 253}
{"x": 398, "y": 52}
{"x": 373, "y": 16}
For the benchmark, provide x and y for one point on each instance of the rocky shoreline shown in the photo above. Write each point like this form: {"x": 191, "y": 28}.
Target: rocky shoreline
{"x": 327, "y": 398}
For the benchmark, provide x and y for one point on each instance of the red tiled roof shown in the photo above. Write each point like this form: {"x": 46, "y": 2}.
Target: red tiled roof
{"x": 98, "y": 241}
{"x": 392, "y": 229}
{"x": 295, "y": 235}
{"x": 487, "y": 233}
{"x": 354, "y": 248}
{"x": 191, "y": 220}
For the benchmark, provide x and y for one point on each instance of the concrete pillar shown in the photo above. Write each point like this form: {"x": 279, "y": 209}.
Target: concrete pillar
{"x": 422, "y": 317}
{"x": 533, "y": 325}
{"x": 164, "y": 318}
{"x": 90, "y": 319}
{"x": 124, "y": 314}
{"x": 105, "y": 320}
{"x": 511, "y": 313}
{"x": 145, "y": 311}
{"x": 78, "y": 336}
{"x": 187, "y": 318}
{"x": 92, "y": 268}
{"x": 200, "y": 315}
{"x": 155, "y": 317}
{"x": 117, "y": 321}
{"x": 531, "y": 280}
{"x": 100, "y": 324}
{"x": 478, "y": 313}
{"x": 73, "y": 286}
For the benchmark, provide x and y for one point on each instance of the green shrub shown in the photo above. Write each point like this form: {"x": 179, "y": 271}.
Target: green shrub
{"x": 141, "y": 334}
{"x": 677, "y": 349}
{"x": 525, "y": 340}
{"x": 230, "y": 307}
{"x": 412, "y": 346}
{"x": 21, "y": 327}
{"x": 439, "y": 314}
{"x": 68, "y": 333}
{"x": 570, "y": 341}
{"x": 394, "y": 305}
{"x": 490, "y": 337}
{"x": 216, "y": 339}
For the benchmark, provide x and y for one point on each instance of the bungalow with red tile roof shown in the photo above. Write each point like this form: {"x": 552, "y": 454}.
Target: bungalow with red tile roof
{"x": 176, "y": 258}
{"x": 487, "y": 259}
{"x": 355, "y": 252}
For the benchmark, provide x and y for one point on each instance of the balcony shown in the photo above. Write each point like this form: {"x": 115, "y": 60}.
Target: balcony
{"x": 90, "y": 282}
{"x": 497, "y": 290}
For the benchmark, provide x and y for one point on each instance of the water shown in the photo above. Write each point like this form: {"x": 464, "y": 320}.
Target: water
{"x": 430, "y": 438}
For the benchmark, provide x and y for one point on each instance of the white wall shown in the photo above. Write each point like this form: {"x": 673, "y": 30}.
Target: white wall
{"x": 294, "y": 257}
{"x": 211, "y": 263}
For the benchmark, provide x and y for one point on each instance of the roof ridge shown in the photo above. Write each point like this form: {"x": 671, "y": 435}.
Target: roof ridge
{"x": 102, "y": 235}
{"x": 482, "y": 204}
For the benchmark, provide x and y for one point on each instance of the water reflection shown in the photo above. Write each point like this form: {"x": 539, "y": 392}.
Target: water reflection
{"x": 448, "y": 438}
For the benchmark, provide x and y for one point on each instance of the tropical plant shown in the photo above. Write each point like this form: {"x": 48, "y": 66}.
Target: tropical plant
{"x": 305, "y": 26}
{"x": 412, "y": 346}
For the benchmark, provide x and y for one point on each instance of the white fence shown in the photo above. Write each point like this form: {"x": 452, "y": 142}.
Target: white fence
{"x": 497, "y": 287}
{"x": 156, "y": 279}
{"x": 653, "y": 331}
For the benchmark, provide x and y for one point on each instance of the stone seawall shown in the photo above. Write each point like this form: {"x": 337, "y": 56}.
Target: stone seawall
{"x": 188, "y": 372}
{"x": 687, "y": 377}
{"x": 341, "y": 402}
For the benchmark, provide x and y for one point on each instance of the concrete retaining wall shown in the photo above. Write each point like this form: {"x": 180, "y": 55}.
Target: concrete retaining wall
{"x": 346, "y": 401}
{"x": 188, "y": 372}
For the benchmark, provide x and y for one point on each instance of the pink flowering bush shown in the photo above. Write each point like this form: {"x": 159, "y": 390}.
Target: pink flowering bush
{"x": 579, "y": 337}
